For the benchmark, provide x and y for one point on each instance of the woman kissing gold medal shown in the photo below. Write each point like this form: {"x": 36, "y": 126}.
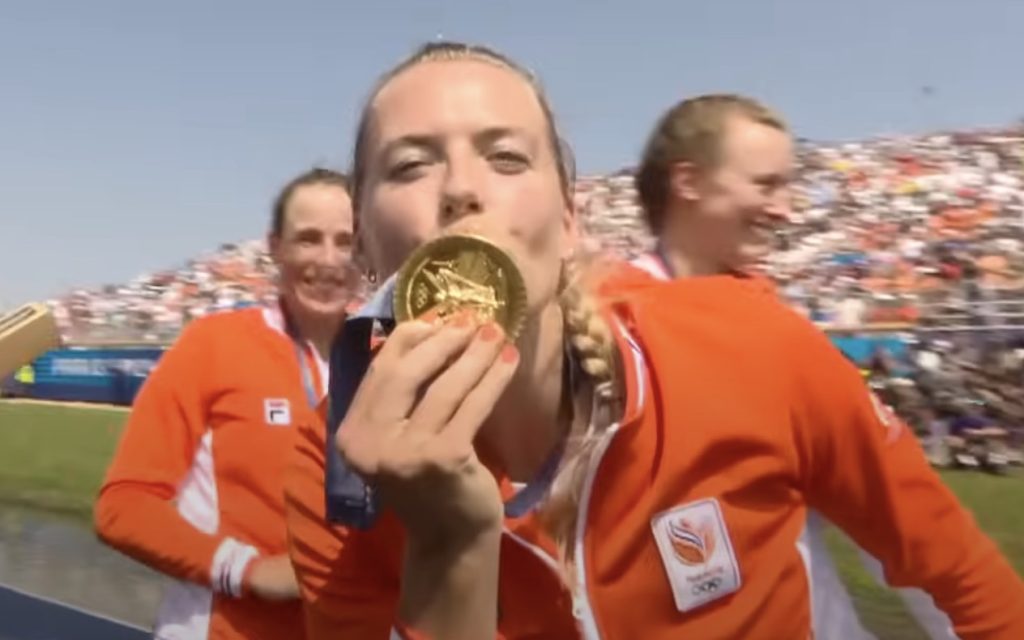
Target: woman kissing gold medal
{"x": 460, "y": 272}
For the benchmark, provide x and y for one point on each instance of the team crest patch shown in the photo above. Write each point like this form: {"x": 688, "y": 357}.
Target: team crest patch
{"x": 277, "y": 412}
{"x": 697, "y": 553}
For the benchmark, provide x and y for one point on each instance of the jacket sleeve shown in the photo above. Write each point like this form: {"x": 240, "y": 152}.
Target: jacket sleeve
{"x": 341, "y": 580}
{"x": 137, "y": 511}
{"x": 865, "y": 471}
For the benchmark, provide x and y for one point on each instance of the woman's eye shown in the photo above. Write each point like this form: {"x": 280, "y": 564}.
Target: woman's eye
{"x": 509, "y": 161}
{"x": 406, "y": 169}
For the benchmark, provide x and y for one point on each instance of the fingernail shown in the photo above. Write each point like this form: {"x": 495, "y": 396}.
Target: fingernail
{"x": 461, "y": 319}
{"x": 429, "y": 316}
{"x": 489, "y": 332}
{"x": 509, "y": 353}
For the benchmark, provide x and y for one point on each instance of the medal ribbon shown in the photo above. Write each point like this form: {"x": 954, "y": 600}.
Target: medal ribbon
{"x": 308, "y": 384}
{"x": 350, "y": 501}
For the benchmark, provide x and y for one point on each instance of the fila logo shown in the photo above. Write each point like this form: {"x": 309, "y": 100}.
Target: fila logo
{"x": 697, "y": 553}
{"x": 277, "y": 412}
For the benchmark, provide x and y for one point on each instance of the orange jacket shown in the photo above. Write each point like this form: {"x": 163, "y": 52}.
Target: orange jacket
{"x": 195, "y": 488}
{"x": 741, "y": 417}
{"x": 833, "y": 611}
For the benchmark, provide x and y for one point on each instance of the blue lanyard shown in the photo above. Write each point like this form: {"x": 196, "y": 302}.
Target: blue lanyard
{"x": 312, "y": 397}
{"x": 308, "y": 384}
{"x": 349, "y": 500}
{"x": 662, "y": 256}
{"x": 526, "y": 499}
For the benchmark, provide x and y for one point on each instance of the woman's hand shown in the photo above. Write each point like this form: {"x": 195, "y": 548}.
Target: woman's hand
{"x": 412, "y": 423}
{"x": 272, "y": 578}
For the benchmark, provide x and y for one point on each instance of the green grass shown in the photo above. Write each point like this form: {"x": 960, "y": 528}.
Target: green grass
{"x": 992, "y": 499}
{"x": 997, "y": 504}
{"x": 53, "y": 458}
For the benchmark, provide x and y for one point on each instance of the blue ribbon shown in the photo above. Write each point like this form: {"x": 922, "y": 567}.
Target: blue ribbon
{"x": 350, "y": 501}
{"x": 312, "y": 395}
{"x": 666, "y": 264}
{"x": 307, "y": 377}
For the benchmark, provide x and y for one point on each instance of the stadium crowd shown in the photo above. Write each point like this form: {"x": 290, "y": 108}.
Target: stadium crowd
{"x": 919, "y": 230}
{"x": 155, "y": 307}
{"x": 916, "y": 234}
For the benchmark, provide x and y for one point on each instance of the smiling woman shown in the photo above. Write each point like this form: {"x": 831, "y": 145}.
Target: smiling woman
{"x": 195, "y": 488}
{"x": 310, "y": 241}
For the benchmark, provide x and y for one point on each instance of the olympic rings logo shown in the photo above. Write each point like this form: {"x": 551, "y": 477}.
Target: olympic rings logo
{"x": 707, "y": 587}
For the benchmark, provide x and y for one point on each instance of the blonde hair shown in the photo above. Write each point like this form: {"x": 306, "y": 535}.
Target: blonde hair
{"x": 586, "y": 331}
{"x": 594, "y": 347}
{"x": 691, "y": 131}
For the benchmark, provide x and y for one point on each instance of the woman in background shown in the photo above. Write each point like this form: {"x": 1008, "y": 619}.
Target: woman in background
{"x": 195, "y": 488}
{"x": 714, "y": 182}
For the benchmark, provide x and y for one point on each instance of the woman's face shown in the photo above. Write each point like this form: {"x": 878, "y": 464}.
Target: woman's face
{"x": 464, "y": 146}
{"x": 313, "y": 252}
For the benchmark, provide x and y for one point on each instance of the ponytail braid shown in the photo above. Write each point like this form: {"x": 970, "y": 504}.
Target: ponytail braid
{"x": 588, "y": 333}
{"x": 593, "y": 345}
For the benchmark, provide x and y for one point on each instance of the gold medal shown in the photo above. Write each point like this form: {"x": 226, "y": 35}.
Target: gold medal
{"x": 460, "y": 272}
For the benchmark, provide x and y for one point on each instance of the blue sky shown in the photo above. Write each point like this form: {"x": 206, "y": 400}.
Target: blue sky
{"x": 134, "y": 135}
